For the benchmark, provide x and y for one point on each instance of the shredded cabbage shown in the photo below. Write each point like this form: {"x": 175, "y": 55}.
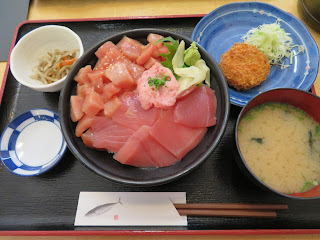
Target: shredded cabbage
{"x": 188, "y": 76}
{"x": 273, "y": 41}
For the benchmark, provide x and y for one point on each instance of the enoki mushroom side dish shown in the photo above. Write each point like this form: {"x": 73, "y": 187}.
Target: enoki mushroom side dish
{"x": 54, "y": 66}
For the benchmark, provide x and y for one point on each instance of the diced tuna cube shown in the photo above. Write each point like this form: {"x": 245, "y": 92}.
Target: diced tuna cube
{"x": 92, "y": 103}
{"x": 111, "y": 106}
{"x": 150, "y": 63}
{"x": 135, "y": 70}
{"x": 146, "y": 53}
{"x": 163, "y": 49}
{"x": 83, "y": 90}
{"x": 84, "y": 123}
{"x": 82, "y": 76}
{"x": 76, "y": 108}
{"x": 119, "y": 74}
{"x": 102, "y": 50}
{"x": 130, "y": 48}
{"x": 87, "y": 138}
{"x": 97, "y": 81}
{"x": 152, "y": 38}
{"x": 110, "y": 89}
{"x": 176, "y": 138}
{"x": 202, "y": 103}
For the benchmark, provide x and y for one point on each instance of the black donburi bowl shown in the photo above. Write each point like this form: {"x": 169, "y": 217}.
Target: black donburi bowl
{"x": 102, "y": 163}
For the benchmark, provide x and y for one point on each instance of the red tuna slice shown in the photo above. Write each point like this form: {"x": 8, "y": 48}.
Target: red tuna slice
{"x": 133, "y": 152}
{"x": 84, "y": 123}
{"x": 130, "y": 48}
{"x": 96, "y": 79}
{"x": 197, "y": 109}
{"x": 109, "y": 135}
{"x": 160, "y": 155}
{"x": 92, "y": 103}
{"x": 146, "y": 53}
{"x": 119, "y": 74}
{"x": 141, "y": 150}
{"x": 76, "y": 108}
{"x": 82, "y": 76}
{"x": 176, "y": 138}
{"x": 101, "y": 52}
{"x": 132, "y": 115}
{"x": 152, "y": 38}
{"x": 87, "y": 138}
{"x": 186, "y": 92}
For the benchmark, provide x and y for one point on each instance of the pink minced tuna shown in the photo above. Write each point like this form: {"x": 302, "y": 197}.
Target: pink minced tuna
{"x": 165, "y": 96}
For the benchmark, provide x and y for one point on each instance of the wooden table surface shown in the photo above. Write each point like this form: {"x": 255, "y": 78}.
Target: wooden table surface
{"x": 66, "y": 9}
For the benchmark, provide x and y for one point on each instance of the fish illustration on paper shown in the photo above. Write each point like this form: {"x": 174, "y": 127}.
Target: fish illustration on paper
{"x": 102, "y": 208}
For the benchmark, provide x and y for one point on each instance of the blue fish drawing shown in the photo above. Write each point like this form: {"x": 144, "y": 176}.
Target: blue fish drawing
{"x": 102, "y": 208}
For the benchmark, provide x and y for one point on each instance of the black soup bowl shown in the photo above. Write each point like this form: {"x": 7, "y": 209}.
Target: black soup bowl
{"x": 102, "y": 162}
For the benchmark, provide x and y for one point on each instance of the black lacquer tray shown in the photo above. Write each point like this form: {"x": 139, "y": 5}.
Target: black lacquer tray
{"x": 48, "y": 202}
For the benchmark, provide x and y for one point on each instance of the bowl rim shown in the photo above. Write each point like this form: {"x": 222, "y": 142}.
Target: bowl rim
{"x": 50, "y": 164}
{"x": 97, "y": 170}
{"x": 241, "y": 156}
{"x": 36, "y": 31}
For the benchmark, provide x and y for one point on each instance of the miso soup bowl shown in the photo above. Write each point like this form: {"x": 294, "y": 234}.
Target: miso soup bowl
{"x": 102, "y": 162}
{"x": 307, "y": 102}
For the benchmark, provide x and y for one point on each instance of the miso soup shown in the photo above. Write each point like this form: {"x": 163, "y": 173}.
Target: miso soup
{"x": 281, "y": 145}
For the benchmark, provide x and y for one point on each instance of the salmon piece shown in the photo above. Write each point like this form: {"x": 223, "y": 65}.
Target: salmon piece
{"x": 119, "y": 74}
{"x": 132, "y": 115}
{"x": 177, "y": 138}
{"x": 152, "y": 38}
{"x": 109, "y": 135}
{"x": 110, "y": 89}
{"x": 76, "y": 108}
{"x": 92, "y": 103}
{"x": 97, "y": 81}
{"x": 146, "y": 53}
{"x": 111, "y": 106}
{"x": 84, "y": 123}
{"x": 82, "y": 76}
{"x": 202, "y": 103}
{"x": 130, "y": 48}
{"x": 87, "y": 138}
{"x": 150, "y": 62}
{"x": 103, "y": 49}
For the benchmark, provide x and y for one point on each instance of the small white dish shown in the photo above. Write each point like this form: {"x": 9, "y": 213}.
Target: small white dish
{"x": 32, "y": 143}
{"x": 37, "y": 43}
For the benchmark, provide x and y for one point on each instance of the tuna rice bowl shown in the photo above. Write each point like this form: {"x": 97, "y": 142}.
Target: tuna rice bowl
{"x": 136, "y": 102}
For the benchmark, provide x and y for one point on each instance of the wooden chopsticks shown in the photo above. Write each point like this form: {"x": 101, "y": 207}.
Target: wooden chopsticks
{"x": 230, "y": 209}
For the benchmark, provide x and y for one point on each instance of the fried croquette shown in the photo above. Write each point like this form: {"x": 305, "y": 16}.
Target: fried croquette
{"x": 244, "y": 66}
